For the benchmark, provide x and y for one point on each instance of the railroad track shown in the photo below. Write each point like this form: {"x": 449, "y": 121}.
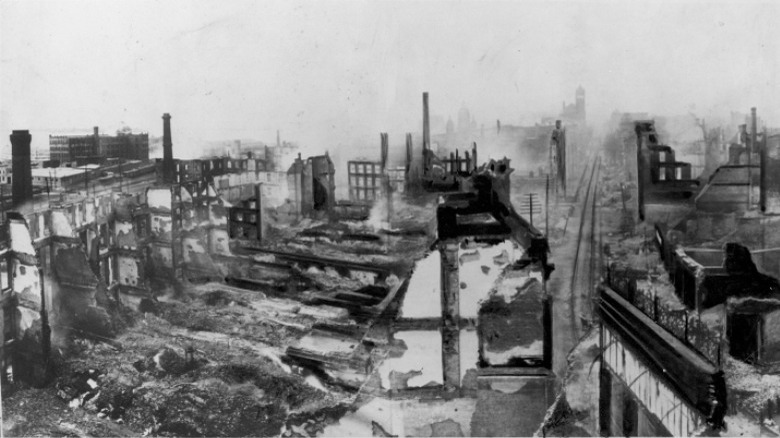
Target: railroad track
{"x": 584, "y": 257}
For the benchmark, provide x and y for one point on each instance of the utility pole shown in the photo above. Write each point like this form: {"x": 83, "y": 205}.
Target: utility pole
{"x": 532, "y": 204}
{"x": 547, "y": 207}
{"x": 750, "y": 156}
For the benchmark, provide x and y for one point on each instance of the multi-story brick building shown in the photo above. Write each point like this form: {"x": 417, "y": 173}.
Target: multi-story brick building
{"x": 84, "y": 148}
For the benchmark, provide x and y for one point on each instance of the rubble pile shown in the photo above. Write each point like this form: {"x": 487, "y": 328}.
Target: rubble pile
{"x": 207, "y": 364}
{"x": 576, "y": 410}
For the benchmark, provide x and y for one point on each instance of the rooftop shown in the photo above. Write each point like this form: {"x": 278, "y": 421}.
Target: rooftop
{"x": 58, "y": 172}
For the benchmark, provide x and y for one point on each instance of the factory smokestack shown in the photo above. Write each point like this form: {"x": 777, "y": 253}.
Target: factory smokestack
{"x": 167, "y": 150}
{"x": 96, "y": 141}
{"x": 426, "y": 124}
{"x": 383, "y": 145}
{"x": 426, "y": 132}
{"x": 753, "y": 129}
{"x": 21, "y": 189}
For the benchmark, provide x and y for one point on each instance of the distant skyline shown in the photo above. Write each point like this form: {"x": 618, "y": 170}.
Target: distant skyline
{"x": 331, "y": 74}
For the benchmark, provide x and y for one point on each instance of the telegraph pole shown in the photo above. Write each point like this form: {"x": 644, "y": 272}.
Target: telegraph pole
{"x": 547, "y": 207}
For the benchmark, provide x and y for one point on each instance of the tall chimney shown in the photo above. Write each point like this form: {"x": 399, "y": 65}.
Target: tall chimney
{"x": 21, "y": 189}
{"x": 751, "y": 149}
{"x": 753, "y": 129}
{"x": 426, "y": 132}
{"x": 383, "y": 149}
{"x": 278, "y": 139}
{"x": 764, "y": 173}
{"x": 96, "y": 141}
{"x": 168, "y": 171}
{"x": 474, "y": 155}
{"x": 408, "y": 152}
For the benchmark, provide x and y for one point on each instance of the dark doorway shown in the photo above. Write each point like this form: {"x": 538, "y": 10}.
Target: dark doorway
{"x": 743, "y": 333}
{"x": 320, "y": 195}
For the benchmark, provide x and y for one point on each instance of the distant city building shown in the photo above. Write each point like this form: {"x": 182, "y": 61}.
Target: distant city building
{"x": 95, "y": 147}
{"x": 575, "y": 112}
{"x": 5, "y": 174}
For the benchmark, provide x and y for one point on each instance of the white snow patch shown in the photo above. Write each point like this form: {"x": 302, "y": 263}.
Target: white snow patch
{"x": 315, "y": 383}
{"x": 159, "y": 198}
{"x": 264, "y": 258}
{"x": 327, "y": 344}
{"x": 29, "y": 281}
{"x": 185, "y": 195}
{"x": 498, "y": 358}
{"x": 423, "y": 296}
{"x": 60, "y": 226}
{"x": 20, "y": 238}
{"x": 507, "y": 385}
{"x": 122, "y": 227}
{"x": 423, "y": 354}
{"x": 273, "y": 357}
{"x": 386, "y": 413}
{"x": 28, "y": 316}
{"x": 469, "y": 351}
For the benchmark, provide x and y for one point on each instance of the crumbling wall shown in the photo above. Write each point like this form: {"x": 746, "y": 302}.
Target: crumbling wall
{"x": 480, "y": 266}
{"x": 126, "y": 237}
{"x": 128, "y": 259}
{"x": 771, "y": 337}
{"x": 219, "y": 241}
{"x": 162, "y": 226}
{"x": 129, "y": 271}
{"x": 162, "y": 258}
{"x": 418, "y": 364}
{"x": 199, "y": 266}
{"x": 30, "y": 351}
{"x": 511, "y": 324}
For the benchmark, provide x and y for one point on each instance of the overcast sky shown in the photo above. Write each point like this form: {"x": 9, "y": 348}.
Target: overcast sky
{"x": 330, "y": 73}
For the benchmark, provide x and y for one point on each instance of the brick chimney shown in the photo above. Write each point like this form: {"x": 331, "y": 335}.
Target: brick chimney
{"x": 168, "y": 170}
{"x": 426, "y": 132}
{"x": 96, "y": 140}
{"x": 383, "y": 149}
{"x": 21, "y": 188}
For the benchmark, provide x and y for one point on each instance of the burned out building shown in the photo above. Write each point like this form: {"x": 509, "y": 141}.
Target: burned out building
{"x": 312, "y": 185}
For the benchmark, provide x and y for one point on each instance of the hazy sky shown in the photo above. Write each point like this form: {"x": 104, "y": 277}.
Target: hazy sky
{"x": 330, "y": 73}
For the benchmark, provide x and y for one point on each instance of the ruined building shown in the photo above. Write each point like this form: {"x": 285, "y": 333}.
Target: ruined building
{"x": 660, "y": 176}
{"x": 311, "y": 185}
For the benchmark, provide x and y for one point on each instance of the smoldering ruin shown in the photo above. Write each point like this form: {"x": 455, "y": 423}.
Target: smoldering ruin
{"x": 555, "y": 276}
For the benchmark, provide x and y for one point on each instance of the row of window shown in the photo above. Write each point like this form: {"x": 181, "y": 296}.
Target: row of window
{"x": 364, "y": 181}
{"x": 365, "y": 168}
{"x": 362, "y": 193}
